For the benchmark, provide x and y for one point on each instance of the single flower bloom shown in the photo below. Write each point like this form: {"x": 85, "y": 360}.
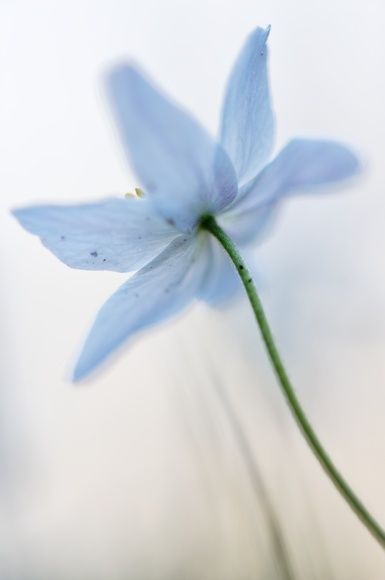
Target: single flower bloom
{"x": 186, "y": 175}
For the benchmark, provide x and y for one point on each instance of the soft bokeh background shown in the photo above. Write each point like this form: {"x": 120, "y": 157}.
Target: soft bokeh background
{"x": 143, "y": 473}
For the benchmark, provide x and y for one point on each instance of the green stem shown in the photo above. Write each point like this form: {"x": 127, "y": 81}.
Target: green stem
{"x": 303, "y": 422}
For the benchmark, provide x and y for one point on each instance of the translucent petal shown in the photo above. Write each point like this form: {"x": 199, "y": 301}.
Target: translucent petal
{"x": 222, "y": 281}
{"x": 247, "y": 226}
{"x": 304, "y": 165}
{"x": 180, "y": 166}
{"x": 115, "y": 234}
{"x": 160, "y": 289}
{"x": 247, "y": 125}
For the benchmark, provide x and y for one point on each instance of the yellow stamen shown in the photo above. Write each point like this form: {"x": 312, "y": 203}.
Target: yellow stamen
{"x": 134, "y": 194}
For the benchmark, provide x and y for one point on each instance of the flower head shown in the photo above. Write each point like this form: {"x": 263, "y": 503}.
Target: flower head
{"x": 186, "y": 175}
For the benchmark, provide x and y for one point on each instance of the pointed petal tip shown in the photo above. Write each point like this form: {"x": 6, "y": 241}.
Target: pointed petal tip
{"x": 262, "y": 34}
{"x": 16, "y": 212}
{"x": 247, "y": 123}
{"x": 357, "y": 163}
{"x": 77, "y": 373}
{"x": 348, "y": 158}
{"x": 76, "y": 376}
{"x": 120, "y": 72}
{"x": 89, "y": 365}
{"x": 80, "y": 372}
{"x": 21, "y": 214}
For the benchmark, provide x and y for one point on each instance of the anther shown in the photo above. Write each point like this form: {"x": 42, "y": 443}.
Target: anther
{"x": 134, "y": 194}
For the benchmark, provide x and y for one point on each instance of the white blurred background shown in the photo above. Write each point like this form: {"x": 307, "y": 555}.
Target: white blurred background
{"x": 140, "y": 473}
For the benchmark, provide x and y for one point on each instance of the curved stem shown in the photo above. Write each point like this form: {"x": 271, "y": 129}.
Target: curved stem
{"x": 303, "y": 422}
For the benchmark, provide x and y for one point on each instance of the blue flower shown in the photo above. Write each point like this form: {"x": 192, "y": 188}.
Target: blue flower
{"x": 185, "y": 175}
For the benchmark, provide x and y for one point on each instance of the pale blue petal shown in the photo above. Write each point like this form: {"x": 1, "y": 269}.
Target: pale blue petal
{"x": 114, "y": 234}
{"x": 160, "y": 289}
{"x": 222, "y": 281}
{"x": 250, "y": 225}
{"x": 186, "y": 174}
{"x": 304, "y": 165}
{"x": 247, "y": 125}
